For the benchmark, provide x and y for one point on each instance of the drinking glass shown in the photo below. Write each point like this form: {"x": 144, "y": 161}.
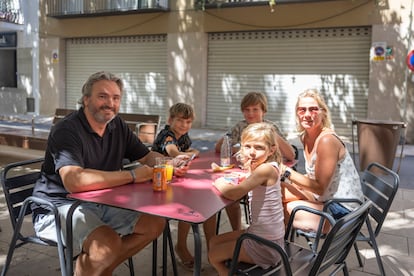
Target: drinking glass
{"x": 168, "y": 163}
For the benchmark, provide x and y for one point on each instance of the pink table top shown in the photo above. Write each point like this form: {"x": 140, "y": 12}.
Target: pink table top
{"x": 191, "y": 198}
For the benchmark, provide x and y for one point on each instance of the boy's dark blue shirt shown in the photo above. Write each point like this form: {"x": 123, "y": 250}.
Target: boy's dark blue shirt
{"x": 166, "y": 137}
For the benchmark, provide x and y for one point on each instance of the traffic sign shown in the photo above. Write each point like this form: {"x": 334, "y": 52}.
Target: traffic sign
{"x": 410, "y": 60}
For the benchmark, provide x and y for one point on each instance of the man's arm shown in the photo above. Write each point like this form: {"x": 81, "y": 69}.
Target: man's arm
{"x": 77, "y": 179}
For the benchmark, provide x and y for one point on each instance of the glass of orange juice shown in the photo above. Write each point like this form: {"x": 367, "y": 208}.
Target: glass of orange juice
{"x": 168, "y": 163}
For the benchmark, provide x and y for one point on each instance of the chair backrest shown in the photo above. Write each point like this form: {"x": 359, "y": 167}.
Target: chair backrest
{"x": 134, "y": 119}
{"x": 61, "y": 113}
{"x": 340, "y": 239}
{"x": 17, "y": 180}
{"x": 379, "y": 185}
{"x": 146, "y": 126}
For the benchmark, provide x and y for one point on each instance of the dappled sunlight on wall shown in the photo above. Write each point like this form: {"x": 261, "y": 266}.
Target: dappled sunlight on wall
{"x": 388, "y": 83}
{"x": 187, "y": 58}
{"x": 142, "y": 84}
{"x": 49, "y": 92}
{"x": 26, "y": 83}
{"x": 282, "y": 90}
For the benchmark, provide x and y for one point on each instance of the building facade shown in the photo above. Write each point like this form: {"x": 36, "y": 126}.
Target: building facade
{"x": 211, "y": 53}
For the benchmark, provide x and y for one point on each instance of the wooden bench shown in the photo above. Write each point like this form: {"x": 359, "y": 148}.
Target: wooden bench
{"x": 23, "y": 138}
{"x": 145, "y": 126}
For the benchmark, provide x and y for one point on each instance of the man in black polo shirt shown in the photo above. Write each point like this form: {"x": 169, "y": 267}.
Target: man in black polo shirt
{"x": 85, "y": 152}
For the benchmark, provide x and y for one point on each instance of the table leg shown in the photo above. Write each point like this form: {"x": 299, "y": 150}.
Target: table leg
{"x": 197, "y": 250}
{"x": 154, "y": 257}
{"x": 170, "y": 244}
{"x": 164, "y": 251}
{"x": 167, "y": 242}
{"x": 69, "y": 238}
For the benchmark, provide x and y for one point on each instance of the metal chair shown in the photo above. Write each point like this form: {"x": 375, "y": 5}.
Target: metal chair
{"x": 304, "y": 261}
{"x": 18, "y": 195}
{"x": 17, "y": 180}
{"x": 379, "y": 185}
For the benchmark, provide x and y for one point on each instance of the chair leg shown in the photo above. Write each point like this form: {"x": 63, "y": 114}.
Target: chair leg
{"x": 358, "y": 255}
{"x": 218, "y": 222}
{"x": 373, "y": 243}
{"x": 131, "y": 266}
{"x": 247, "y": 212}
{"x": 379, "y": 261}
{"x": 12, "y": 245}
{"x": 345, "y": 269}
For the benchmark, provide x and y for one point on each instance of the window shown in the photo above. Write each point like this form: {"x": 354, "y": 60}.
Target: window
{"x": 8, "y": 58}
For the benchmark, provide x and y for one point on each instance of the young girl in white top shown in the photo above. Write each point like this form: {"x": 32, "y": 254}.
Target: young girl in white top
{"x": 261, "y": 156}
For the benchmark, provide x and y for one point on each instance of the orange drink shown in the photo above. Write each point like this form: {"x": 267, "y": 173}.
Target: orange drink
{"x": 168, "y": 163}
{"x": 159, "y": 178}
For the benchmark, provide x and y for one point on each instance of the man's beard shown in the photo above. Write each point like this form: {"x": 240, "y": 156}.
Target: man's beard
{"x": 99, "y": 117}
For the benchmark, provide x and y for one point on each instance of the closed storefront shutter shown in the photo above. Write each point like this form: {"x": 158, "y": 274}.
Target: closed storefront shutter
{"x": 284, "y": 63}
{"x": 141, "y": 61}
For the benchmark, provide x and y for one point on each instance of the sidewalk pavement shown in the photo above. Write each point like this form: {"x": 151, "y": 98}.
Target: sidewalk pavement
{"x": 396, "y": 241}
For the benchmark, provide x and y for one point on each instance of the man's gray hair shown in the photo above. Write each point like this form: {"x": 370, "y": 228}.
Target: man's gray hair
{"x": 102, "y": 75}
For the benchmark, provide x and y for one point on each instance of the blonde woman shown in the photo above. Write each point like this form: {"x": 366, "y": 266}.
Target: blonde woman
{"x": 330, "y": 171}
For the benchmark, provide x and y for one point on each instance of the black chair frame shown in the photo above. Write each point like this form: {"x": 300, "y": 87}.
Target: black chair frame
{"x": 17, "y": 191}
{"x": 304, "y": 261}
{"x": 379, "y": 185}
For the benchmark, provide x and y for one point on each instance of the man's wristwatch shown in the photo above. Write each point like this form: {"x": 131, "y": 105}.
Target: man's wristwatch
{"x": 286, "y": 176}
{"x": 132, "y": 172}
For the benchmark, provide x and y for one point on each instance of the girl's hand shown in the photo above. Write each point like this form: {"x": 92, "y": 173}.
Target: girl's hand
{"x": 182, "y": 160}
{"x": 220, "y": 183}
{"x": 181, "y": 171}
{"x": 242, "y": 176}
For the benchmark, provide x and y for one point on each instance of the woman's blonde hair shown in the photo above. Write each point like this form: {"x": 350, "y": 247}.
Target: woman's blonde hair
{"x": 263, "y": 132}
{"x": 326, "y": 116}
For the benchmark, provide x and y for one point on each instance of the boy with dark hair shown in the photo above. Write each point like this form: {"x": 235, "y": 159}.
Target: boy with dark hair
{"x": 172, "y": 141}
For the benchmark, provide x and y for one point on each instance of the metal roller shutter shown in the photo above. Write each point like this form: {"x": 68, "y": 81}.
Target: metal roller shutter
{"x": 141, "y": 61}
{"x": 284, "y": 63}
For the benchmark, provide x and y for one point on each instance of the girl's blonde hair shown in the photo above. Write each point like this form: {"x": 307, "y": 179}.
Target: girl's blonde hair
{"x": 263, "y": 132}
{"x": 326, "y": 116}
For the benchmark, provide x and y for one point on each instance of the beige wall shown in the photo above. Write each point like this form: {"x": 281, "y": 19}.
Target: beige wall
{"x": 389, "y": 88}
{"x": 51, "y": 76}
{"x": 187, "y": 71}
